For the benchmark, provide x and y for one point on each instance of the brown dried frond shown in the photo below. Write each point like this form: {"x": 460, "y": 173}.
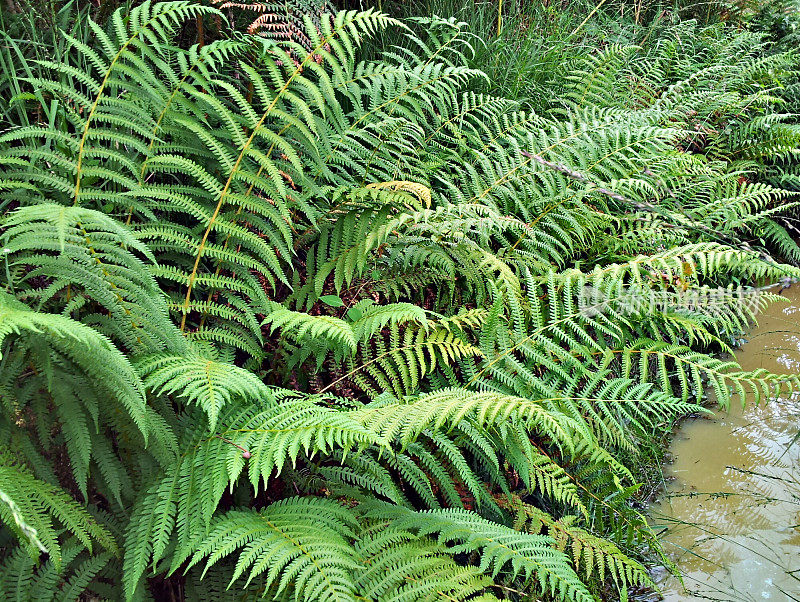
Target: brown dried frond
{"x": 282, "y": 20}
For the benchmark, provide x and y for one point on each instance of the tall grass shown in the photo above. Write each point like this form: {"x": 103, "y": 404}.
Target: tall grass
{"x": 30, "y": 34}
{"x": 524, "y": 46}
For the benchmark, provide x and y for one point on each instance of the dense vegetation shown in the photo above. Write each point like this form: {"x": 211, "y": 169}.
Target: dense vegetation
{"x": 299, "y": 310}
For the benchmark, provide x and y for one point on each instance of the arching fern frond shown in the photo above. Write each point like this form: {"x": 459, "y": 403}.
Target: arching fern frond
{"x": 205, "y": 381}
{"x": 76, "y": 576}
{"x": 501, "y": 548}
{"x": 41, "y": 508}
{"x": 87, "y": 258}
{"x": 93, "y": 353}
{"x": 591, "y": 555}
{"x": 303, "y": 537}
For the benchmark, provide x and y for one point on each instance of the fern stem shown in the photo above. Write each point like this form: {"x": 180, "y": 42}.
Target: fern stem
{"x": 245, "y": 453}
{"x": 99, "y": 94}
{"x": 234, "y": 169}
{"x": 597, "y": 7}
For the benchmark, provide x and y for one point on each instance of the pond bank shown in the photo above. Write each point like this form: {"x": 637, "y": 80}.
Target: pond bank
{"x": 731, "y": 509}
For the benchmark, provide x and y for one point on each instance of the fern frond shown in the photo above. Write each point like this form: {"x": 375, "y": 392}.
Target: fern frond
{"x": 93, "y": 353}
{"x": 83, "y": 252}
{"x": 590, "y": 554}
{"x": 204, "y": 381}
{"x": 23, "y": 578}
{"x": 303, "y": 537}
{"x": 35, "y": 505}
{"x": 501, "y": 548}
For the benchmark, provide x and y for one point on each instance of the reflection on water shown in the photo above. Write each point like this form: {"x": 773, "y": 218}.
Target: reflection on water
{"x": 733, "y": 509}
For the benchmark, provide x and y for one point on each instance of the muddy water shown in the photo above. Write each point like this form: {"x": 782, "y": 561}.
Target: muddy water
{"x": 732, "y": 512}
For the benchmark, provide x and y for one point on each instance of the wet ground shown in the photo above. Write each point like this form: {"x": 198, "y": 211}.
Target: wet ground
{"x": 733, "y": 509}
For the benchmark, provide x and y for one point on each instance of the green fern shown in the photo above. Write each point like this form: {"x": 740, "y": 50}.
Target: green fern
{"x": 32, "y": 508}
{"x": 305, "y": 536}
{"x": 204, "y": 381}
{"x": 292, "y": 323}
{"x": 22, "y": 578}
{"x": 590, "y": 554}
{"x": 93, "y": 353}
{"x": 501, "y": 548}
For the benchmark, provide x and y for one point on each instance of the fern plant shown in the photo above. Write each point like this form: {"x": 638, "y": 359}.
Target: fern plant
{"x": 282, "y": 321}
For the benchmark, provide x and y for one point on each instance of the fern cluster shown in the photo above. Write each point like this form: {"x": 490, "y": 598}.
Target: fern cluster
{"x": 281, "y": 322}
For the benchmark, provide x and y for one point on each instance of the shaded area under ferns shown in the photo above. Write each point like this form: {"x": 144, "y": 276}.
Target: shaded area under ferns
{"x": 280, "y": 322}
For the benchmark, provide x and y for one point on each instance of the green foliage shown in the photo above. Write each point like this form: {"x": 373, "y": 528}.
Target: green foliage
{"x": 204, "y": 381}
{"x": 501, "y": 548}
{"x": 23, "y": 578}
{"x": 293, "y": 323}
{"x": 303, "y": 537}
{"x": 52, "y": 339}
{"x": 590, "y": 554}
{"x": 31, "y": 506}
{"x": 311, "y": 538}
{"x": 88, "y": 257}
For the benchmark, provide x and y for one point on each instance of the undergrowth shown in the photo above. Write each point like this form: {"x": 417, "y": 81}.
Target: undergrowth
{"x": 294, "y": 309}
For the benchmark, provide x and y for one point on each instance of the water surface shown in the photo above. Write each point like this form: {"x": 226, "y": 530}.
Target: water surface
{"x": 733, "y": 509}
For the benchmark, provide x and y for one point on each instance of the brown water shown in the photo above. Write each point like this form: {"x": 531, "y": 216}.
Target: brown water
{"x": 733, "y": 509}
